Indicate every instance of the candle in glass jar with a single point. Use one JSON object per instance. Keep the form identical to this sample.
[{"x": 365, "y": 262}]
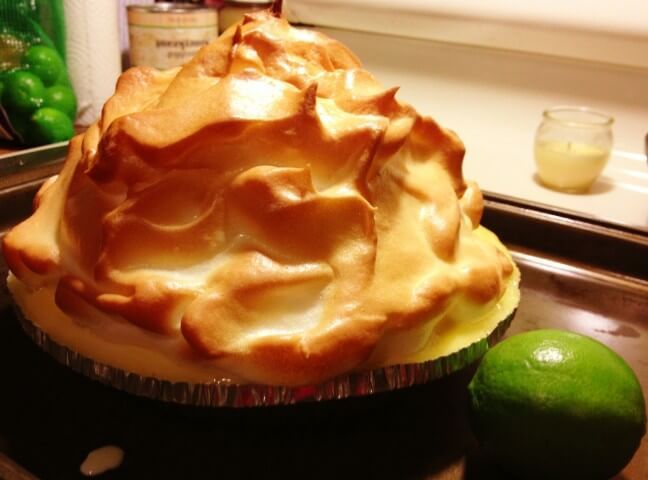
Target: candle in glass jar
[
  {"x": 572, "y": 146},
  {"x": 569, "y": 165}
]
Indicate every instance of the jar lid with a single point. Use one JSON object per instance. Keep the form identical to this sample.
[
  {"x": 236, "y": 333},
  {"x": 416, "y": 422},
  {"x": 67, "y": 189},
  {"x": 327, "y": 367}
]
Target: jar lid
[
  {"x": 248, "y": 3},
  {"x": 170, "y": 7}
]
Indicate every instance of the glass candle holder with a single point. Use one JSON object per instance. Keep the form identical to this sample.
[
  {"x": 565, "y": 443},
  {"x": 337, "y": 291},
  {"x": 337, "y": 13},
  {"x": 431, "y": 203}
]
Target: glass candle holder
[{"x": 572, "y": 147}]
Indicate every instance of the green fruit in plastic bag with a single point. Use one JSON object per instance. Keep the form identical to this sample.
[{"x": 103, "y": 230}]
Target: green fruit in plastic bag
[
  {"x": 51, "y": 125},
  {"x": 44, "y": 62},
  {"x": 61, "y": 98},
  {"x": 23, "y": 92},
  {"x": 63, "y": 79}
]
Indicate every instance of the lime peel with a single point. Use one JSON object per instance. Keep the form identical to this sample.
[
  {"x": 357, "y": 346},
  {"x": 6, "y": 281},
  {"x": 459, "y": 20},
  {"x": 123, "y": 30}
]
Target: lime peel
[{"x": 555, "y": 404}]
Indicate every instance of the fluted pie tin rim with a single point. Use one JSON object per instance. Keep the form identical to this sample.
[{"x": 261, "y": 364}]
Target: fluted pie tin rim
[{"x": 357, "y": 384}]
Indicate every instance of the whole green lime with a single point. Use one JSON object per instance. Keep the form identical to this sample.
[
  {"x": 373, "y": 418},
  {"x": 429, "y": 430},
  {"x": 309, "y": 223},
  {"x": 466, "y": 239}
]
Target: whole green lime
[
  {"x": 61, "y": 98},
  {"x": 51, "y": 125},
  {"x": 554, "y": 404},
  {"x": 23, "y": 91},
  {"x": 44, "y": 62}
]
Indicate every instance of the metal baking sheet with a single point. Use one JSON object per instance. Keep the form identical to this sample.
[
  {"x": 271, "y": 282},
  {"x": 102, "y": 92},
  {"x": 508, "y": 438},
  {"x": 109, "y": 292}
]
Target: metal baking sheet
[
  {"x": 51, "y": 417},
  {"x": 35, "y": 163}
]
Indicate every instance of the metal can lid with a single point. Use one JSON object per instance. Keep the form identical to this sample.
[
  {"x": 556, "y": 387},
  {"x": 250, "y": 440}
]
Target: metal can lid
[
  {"x": 248, "y": 3},
  {"x": 168, "y": 7}
]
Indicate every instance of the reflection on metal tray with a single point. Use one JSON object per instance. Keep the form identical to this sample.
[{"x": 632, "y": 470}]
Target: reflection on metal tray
[
  {"x": 31, "y": 164},
  {"x": 578, "y": 275}
]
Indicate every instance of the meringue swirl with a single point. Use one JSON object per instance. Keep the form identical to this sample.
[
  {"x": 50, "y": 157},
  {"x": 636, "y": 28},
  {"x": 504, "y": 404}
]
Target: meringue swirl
[{"x": 269, "y": 208}]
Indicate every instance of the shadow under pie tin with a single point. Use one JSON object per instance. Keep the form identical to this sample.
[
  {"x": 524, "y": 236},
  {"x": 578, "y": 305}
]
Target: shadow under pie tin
[{"x": 216, "y": 394}]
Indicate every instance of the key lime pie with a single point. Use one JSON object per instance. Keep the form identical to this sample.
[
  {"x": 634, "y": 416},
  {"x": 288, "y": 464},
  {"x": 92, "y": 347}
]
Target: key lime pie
[{"x": 268, "y": 214}]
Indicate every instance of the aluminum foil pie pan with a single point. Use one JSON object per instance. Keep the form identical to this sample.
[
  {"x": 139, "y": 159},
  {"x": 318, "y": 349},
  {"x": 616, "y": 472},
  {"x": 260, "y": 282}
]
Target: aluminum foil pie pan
[{"x": 216, "y": 394}]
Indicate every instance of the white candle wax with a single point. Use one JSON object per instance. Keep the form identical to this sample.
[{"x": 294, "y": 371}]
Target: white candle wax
[{"x": 568, "y": 165}]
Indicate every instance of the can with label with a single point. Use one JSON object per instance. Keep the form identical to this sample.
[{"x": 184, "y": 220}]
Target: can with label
[{"x": 165, "y": 35}]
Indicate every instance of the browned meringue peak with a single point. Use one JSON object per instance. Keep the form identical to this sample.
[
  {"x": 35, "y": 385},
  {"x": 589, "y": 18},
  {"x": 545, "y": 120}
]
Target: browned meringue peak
[{"x": 270, "y": 202}]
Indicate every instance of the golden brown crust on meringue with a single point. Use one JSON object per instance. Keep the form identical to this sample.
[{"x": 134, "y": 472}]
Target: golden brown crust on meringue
[{"x": 270, "y": 204}]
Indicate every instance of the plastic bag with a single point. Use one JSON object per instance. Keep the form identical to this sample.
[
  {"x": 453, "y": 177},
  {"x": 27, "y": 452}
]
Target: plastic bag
[{"x": 37, "y": 103}]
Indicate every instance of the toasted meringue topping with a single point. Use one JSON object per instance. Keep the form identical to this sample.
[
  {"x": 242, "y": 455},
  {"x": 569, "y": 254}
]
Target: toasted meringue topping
[{"x": 269, "y": 207}]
